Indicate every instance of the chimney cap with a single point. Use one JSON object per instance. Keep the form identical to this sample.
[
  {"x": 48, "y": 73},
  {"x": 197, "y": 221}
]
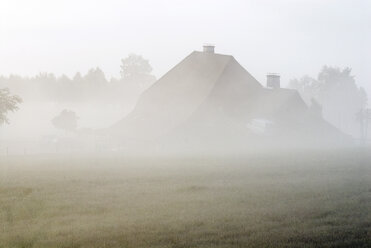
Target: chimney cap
[
  {"x": 208, "y": 48},
  {"x": 273, "y": 74},
  {"x": 273, "y": 80}
]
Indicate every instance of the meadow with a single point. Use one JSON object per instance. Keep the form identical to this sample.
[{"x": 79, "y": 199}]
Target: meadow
[{"x": 298, "y": 199}]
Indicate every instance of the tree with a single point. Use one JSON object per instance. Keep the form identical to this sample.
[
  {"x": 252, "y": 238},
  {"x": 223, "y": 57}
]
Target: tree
[
  {"x": 336, "y": 91},
  {"x": 66, "y": 120},
  {"x": 307, "y": 86},
  {"x": 8, "y": 103},
  {"x": 94, "y": 85},
  {"x": 135, "y": 65},
  {"x": 77, "y": 78},
  {"x": 136, "y": 69},
  {"x": 95, "y": 77}
]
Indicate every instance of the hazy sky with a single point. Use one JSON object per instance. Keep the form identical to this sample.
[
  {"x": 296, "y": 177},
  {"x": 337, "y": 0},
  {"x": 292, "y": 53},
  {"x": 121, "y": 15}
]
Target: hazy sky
[{"x": 292, "y": 37}]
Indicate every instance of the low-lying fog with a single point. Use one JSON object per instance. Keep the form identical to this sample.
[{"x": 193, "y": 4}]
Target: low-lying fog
[
  {"x": 72, "y": 115},
  {"x": 121, "y": 126},
  {"x": 320, "y": 49}
]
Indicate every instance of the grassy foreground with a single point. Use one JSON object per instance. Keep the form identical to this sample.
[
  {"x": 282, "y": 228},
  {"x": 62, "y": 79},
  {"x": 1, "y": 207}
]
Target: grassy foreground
[{"x": 303, "y": 200}]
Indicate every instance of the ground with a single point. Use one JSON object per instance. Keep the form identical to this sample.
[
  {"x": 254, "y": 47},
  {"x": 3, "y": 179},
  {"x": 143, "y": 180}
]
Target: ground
[{"x": 306, "y": 199}]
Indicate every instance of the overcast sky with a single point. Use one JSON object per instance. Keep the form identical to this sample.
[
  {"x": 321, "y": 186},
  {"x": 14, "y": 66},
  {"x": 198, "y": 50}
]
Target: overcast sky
[{"x": 291, "y": 37}]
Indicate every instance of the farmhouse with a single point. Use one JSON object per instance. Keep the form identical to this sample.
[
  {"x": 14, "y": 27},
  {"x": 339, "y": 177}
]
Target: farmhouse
[{"x": 209, "y": 98}]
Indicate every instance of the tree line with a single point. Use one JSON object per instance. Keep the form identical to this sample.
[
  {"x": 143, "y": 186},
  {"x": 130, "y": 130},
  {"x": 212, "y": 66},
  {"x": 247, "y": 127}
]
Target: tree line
[{"x": 94, "y": 85}]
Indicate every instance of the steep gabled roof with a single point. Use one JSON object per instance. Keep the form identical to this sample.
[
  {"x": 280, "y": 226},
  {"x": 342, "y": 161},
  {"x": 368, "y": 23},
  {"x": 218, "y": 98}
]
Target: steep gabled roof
[{"x": 183, "y": 90}]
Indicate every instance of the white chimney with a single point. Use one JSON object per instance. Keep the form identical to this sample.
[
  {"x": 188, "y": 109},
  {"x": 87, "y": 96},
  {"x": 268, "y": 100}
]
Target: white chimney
[
  {"x": 208, "y": 48},
  {"x": 273, "y": 81}
]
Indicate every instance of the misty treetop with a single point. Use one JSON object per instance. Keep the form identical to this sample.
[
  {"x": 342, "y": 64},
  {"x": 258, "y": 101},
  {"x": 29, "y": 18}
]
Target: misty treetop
[
  {"x": 66, "y": 120},
  {"x": 94, "y": 85},
  {"x": 134, "y": 66}
]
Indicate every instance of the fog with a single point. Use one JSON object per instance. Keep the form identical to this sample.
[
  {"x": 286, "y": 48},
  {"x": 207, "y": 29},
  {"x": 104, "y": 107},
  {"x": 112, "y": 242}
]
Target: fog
[
  {"x": 185, "y": 123},
  {"x": 207, "y": 103}
]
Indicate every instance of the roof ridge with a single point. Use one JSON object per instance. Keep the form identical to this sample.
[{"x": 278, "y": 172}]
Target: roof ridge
[{"x": 169, "y": 71}]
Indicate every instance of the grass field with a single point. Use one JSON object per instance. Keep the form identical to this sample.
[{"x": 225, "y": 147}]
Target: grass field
[{"x": 316, "y": 199}]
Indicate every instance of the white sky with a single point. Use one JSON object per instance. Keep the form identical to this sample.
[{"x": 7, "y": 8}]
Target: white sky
[{"x": 292, "y": 37}]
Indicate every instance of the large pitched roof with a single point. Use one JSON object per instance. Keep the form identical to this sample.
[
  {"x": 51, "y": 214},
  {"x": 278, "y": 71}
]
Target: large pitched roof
[{"x": 183, "y": 90}]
